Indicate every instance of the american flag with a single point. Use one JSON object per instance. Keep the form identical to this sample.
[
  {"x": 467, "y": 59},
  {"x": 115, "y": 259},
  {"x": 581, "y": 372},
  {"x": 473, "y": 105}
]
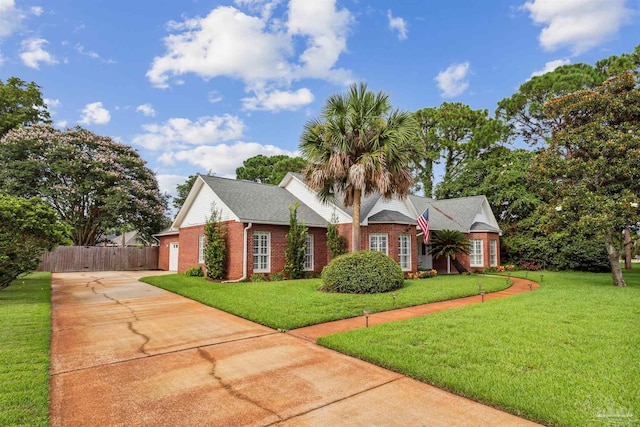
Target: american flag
[{"x": 423, "y": 223}]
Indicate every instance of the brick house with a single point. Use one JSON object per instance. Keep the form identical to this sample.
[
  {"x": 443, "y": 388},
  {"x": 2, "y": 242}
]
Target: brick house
[{"x": 257, "y": 221}]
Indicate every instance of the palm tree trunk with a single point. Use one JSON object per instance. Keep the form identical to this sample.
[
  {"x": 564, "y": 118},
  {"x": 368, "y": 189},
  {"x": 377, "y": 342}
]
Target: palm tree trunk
[
  {"x": 355, "y": 225},
  {"x": 614, "y": 260},
  {"x": 458, "y": 266}
]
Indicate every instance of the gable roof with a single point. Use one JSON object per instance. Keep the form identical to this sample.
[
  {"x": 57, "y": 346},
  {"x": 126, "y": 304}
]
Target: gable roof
[
  {"x": 261, "y": 203},
  {"x": 462, "y": 214}
]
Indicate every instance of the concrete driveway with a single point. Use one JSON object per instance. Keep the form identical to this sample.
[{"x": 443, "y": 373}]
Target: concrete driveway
[{"x": 124, "y": 353}]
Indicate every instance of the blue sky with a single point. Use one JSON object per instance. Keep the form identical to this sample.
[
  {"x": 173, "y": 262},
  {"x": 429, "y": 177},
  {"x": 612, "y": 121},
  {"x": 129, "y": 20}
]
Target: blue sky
[{"x": 200, "y": 86}]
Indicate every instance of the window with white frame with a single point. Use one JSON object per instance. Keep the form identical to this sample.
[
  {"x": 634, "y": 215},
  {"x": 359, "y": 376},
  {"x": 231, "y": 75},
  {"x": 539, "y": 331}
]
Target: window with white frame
[
  {"x": 261, "y": 252},
  {"x": 493, "y": 253},
  {"x": 404, "y": 252},
  {"x": 378, "y": 242},
  {"x": 308, "y": 253},
  {"x": 476, "y": 256},
  {"x": 201, "y": 245}
]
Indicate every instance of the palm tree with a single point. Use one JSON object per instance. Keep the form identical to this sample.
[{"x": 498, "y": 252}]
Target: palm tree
[
  {"x": 357, "y": 147},
  {"x": 450, "y": 243}
]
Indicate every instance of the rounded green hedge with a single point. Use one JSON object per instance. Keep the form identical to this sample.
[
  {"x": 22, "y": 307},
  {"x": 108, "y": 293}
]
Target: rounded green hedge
[{"x": 364, "y": 272}]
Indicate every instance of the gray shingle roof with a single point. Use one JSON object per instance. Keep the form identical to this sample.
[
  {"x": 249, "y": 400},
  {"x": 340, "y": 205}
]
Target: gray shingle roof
[
  {"x": 453, "y": 214},
  {"x": 387, "y": 216},
  {"x": 261, "y": 203}
]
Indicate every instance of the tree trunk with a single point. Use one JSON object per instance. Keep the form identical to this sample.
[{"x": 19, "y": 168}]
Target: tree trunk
[
  {"x": 355, "y": 225},
  {"x": 614, "y": 260},
  {"x": 627, "y": 249},
  {"x": 458, "y": 266}
]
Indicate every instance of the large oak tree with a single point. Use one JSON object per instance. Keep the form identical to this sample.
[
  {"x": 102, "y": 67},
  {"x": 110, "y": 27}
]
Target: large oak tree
[{"x": 593, "y": 162}]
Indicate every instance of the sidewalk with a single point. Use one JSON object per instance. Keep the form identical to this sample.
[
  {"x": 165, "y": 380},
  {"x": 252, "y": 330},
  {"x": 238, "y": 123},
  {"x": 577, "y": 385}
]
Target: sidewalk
[
  {"x": 124, "y": 353},
  {"x": 312, "y": 333}
]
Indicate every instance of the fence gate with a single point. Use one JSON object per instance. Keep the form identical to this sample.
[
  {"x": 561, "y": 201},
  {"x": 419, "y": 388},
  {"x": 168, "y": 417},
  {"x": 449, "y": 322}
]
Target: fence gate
[{"x": 99, "y": 258}]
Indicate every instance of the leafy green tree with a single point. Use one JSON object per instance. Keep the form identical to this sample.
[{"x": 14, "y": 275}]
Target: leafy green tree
[
  {"x": 336, "y": 242},
  {"x": 524, "y": 110},
  {"x": 269, "y": 170},
  {"x": 215, "y": 249},
  {"x": 459, "y": 132},
  {"x": 21, "y": 103},
  {"x": 28, "y": 228},
  {"x": 428, "y": 154},
  {"x": 501, "y": 175},
  {"x": 450, "y": 243},
  {"x": 593, "y": 162},
  {"x": 92, "y": 182},
  {"x": 296, "y": 244},
  {"x": 359, "y": 146}
]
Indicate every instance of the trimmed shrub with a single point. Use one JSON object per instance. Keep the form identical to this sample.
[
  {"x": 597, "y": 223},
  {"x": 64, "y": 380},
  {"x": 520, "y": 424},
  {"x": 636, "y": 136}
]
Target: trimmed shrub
[
  {"x": 258, "y": 277},
  {"x": 194, "y": 272},
  {"x": 364, "y": 272},
  {"x": 277, "y": 277}
]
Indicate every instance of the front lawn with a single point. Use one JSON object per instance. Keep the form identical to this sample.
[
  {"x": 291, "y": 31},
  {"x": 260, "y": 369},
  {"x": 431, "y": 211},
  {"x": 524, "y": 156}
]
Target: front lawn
[
  {"x": 295, "y": 303},
  {"x": 25, "y": 331},
  {"x": 567, "y": 354}
]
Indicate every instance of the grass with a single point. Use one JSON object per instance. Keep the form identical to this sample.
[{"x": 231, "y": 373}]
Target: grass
[
  {"x": 25, "y": 331},
  {"x": 296, "y": 303},
  {"x": 567, "y": 354}
]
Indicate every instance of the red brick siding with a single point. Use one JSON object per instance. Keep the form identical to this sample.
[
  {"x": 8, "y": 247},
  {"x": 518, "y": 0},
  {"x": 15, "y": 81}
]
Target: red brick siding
[
  {"x": 235, "y": 247},
  {"x": 440, "y": 264},
  {"x": 163, "y": 250},
  {"x": 393, "y": 231},
  {"x": 188, "y": 250}
]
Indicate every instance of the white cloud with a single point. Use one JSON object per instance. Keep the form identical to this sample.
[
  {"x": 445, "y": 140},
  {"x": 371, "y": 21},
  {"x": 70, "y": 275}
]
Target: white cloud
[
  {"x": 62, "y": 124},
  {"x": 398, "y": 24},
  {"x": 167, "y": 183},
  {"x": 577, "y": 24},
  {"x": 452, "y": 81},
  {"x": 278, "y": 100},
  {"x": 180, "y": 131},
  {"x": 550, "y": 66},
  {"x": 91, "y": 54},
  {"x": 52, "y": 105},
  {"x": 10, "y": 17},
  {"x": 95, "y": 113},
  {"x": 146, "y": 109},
  {"x": 36, "y": 10},
  {"x": 214, "y": 97},
  {"x": 33, "y": 53},
  {"x": 260, "y": 50},
  {"x": 221, "y": 159}
]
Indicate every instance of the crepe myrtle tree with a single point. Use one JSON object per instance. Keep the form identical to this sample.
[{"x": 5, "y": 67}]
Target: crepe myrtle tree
[
  {"x": 91, "y": 181},
  {"x": 593, "y": 162}
]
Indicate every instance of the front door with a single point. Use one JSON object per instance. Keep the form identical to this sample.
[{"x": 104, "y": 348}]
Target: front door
[
  {"x": 425, "y": 260},
  {"x": 173, "y": 256}
]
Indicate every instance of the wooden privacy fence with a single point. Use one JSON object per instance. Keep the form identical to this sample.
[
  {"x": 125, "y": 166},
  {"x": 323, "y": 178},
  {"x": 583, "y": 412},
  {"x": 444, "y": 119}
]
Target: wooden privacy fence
[{"x": 99, "y": 258}]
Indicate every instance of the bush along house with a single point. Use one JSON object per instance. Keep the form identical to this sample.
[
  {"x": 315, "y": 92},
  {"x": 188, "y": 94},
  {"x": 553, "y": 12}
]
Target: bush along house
[{"x": 256, "y": 217}]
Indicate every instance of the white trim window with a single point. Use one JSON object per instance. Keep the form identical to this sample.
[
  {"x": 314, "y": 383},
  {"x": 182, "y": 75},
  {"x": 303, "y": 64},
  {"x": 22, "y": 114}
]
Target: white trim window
[
  {"x": 493, "y": 253},
  {"x": 201, "y": 245},
  {"x": 404, "y": 252},
  {"x": 379, "y": 243},
  {"x": 308, "y": 253},
  {"x": 262, "y": 252},
  {"x": 476, "y": 255}
]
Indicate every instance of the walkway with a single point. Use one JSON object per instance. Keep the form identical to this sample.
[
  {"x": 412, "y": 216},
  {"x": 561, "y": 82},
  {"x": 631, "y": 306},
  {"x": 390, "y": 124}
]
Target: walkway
[
  {"x": 125, "y": 353},
  {"x": 312, "y": 333}
]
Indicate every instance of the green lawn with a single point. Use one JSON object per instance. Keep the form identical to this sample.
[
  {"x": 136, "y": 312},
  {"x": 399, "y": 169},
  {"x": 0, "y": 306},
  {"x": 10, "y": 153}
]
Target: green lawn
[
  {"x": 567, "y": 354},
  {"x": 295, "y": 303},
  {"x": 25, "y": 331}
]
